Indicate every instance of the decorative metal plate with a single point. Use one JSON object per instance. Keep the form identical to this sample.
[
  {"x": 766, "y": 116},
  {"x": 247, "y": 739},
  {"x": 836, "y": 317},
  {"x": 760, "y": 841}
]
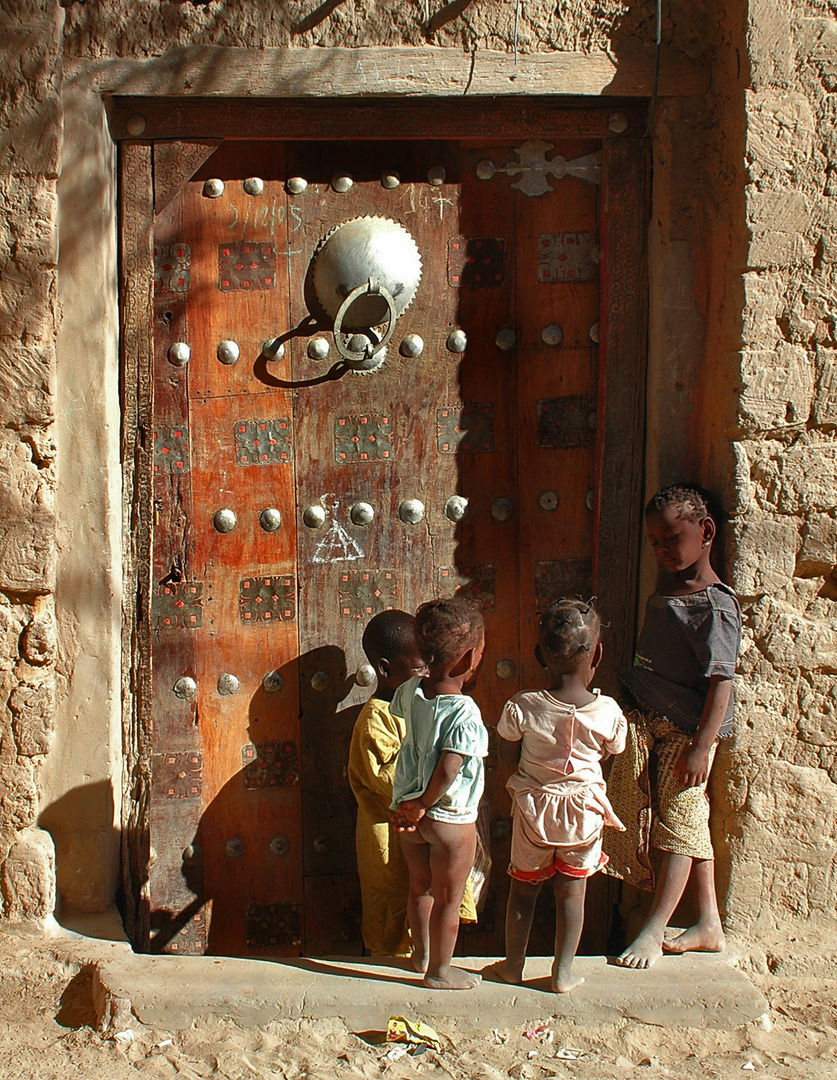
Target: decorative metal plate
[
  {"x": 469, "y": 428},
  {"x": 267, "y": 599},
  {"x": 475, "y": 262},
  {"x": 562, "y": 577},
  {"x": 363, "y": 437},
  {"x": 246, "y": 266},
  {"x": 191, "y": 939},
  {"x": 533, "y": 168},
  {"x": 566, "y": 421},
  {"x": 364, "y": 593},
  {"x": 270, "y": 764},
  {"x": 171, "y": 449},
  {"x": 475, "y": 582},
  {"x": 263, "y": 442},
  {"x": 178, "y": 605},
  {"x": 172, "y": 268},
  {"x": 571, "y": 256},
  {"x": 274, "y": 924},
  {"x": 178, "y": 774}
]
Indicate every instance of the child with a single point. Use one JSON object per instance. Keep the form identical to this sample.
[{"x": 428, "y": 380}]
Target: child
[
  {"x": 438, "y": 783},
  {"x": 389, "y": 642},
  {"x": 559, "y": 800},
  {"x": 679, "y": 701}
]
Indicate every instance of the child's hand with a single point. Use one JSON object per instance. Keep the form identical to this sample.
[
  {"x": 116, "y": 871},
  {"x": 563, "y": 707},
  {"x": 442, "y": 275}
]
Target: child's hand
[
  {"x": 693, "y": 765},
  {"x": 408, "y": 815}
]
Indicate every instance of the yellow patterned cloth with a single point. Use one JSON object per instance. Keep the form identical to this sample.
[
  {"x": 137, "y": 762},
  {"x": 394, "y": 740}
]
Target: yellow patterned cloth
[
  {"x": 384, "y": 879},
  {"x": 647, "y": 792}
]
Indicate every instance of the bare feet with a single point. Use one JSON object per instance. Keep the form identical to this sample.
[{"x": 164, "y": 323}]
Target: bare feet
[
  {"x": 418, "y": 959},
  {"x": 452, "y": 979},
  {"x": 644, "y": 952},
  {"x": 698, "y": 938},
  {"x": 506, "y": 970},
  {"x": 564, "y": 981}
]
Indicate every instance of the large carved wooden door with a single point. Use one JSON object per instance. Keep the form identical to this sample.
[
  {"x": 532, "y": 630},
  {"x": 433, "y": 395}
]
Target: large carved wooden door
[{"x": 295, "y": 497}]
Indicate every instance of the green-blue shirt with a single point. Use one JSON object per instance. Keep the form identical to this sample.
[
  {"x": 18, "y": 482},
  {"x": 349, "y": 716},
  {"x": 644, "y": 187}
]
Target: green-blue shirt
[{"x": 446, "y": 722}]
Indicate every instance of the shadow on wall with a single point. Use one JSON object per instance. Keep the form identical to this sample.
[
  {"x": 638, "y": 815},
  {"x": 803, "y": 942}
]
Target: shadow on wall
[{"x": 86, "y": 852}]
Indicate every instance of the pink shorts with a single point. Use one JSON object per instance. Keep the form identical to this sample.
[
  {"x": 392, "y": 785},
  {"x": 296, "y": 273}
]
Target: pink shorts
[{"x": 536, "y": 818}]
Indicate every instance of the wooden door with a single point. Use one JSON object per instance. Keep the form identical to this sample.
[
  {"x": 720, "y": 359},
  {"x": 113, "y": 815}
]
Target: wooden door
[{"x": 480, "y": 459}]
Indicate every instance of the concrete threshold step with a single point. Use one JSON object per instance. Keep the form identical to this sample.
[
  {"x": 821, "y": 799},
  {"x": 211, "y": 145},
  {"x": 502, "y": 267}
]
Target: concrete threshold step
[{"x": 170, "y": 993}]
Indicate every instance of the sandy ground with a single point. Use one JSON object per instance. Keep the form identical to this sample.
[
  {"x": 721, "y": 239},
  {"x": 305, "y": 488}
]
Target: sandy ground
[{"x": 47, "y": 1032}]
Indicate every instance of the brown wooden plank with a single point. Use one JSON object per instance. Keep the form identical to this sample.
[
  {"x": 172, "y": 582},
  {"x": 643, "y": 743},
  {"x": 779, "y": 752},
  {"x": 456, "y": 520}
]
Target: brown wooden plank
[
  {"x": 177, "y": 613},
  {"x": 350, "y": 120},
  {"x": 404, "y": 72},
  {"x": 136, "y": 341},
  {"x": 402, "y": 559},
  {"x": 622, "y": 394}
]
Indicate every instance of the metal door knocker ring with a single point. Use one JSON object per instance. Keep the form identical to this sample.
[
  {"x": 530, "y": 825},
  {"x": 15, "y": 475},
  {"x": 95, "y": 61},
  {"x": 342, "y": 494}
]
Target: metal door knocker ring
[{"x": 362, "y": 358}]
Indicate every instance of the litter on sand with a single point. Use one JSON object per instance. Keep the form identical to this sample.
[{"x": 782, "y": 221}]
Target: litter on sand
[
  {"x": 124, "y": 1038},
  {"x": 540, "y": 1032},
  {"x": 570, "y": 1053},
  {"x": 402, "y": 1030}
]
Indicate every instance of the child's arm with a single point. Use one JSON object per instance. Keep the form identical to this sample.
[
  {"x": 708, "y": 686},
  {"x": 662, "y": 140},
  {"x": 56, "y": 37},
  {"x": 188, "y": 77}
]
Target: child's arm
[
  {"x": 694, "y": 761},
  {"x": 411, "y": 811}
]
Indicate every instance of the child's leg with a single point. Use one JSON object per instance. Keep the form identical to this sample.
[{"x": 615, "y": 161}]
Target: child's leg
[
  {"x": 520, "y": 910},
  {"x": 419, "y": 899},
  {"x": 681, "y": 832},
  {"x": 569, "y": 921},
  {"x": 647, "y": 947},
  {"x": 707, "y": 935},
  {"x": 452, "y": 849}
]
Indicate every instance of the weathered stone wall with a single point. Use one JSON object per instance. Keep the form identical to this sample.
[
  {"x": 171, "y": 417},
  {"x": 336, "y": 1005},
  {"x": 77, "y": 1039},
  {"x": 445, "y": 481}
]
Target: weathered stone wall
[
  {"x": 742, "y": 390},
  {"x": 30, "y": 146},
  {"x": 783, "y": 767}
]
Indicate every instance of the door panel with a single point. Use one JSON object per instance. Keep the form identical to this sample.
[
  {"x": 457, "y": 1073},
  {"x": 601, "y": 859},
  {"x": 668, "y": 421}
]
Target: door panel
[{"x": 259, "y": 858}]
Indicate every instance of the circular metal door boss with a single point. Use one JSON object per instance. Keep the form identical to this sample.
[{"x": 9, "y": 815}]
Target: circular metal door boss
[{"x": 365, "y": 273}]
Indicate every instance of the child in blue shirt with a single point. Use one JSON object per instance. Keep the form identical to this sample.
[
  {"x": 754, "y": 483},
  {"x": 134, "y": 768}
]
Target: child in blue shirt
[{"x": 438, "y": 783}]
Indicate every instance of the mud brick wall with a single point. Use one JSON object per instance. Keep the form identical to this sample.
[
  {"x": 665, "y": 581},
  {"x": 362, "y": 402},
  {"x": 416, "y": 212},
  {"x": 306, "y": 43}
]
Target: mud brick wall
[
  {"x": 742, "y": 384},
  {"x": 783, "y": 767},
  {"x": 30, "y": 146}
]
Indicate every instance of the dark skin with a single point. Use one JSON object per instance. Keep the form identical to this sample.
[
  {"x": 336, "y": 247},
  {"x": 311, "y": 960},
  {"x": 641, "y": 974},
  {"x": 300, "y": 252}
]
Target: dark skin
[
  {"x": 439, "y": 854},
  {"x": 682, "y": 549},
  {"x": 395, "y": 670},
  {"x": 569, "y": 681}
]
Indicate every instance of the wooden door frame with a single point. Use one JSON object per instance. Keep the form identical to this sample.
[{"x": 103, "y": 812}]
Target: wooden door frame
[{"x": 179, "y": 130}]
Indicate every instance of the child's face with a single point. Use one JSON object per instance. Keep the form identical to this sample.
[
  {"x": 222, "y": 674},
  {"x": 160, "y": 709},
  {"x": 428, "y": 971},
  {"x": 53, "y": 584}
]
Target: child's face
[
  {"x": 677, "y": 542},
  {"x": 404, "y": 666}
]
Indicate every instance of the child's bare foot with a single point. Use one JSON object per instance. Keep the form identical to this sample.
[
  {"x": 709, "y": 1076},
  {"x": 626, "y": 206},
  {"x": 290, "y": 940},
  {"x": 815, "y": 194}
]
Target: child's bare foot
[
  {"x": 643, "y": 952},
  {"x": 418, "y": 959},
  {"x": 506, "y": 970},
  {"x": 452, "y": 979},
  {"x": 702, "y": 937},
  {"x": 564, "y": 981}
]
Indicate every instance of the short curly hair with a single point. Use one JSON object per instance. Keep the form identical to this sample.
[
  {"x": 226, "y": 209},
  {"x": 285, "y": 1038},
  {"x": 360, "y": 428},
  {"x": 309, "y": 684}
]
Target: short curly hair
[
  {"x": 388, "y": 635},
  {"x": 691, "y": 501},
  {"x": 569, "y": 626},
  {"x": 447, "y": 628}
]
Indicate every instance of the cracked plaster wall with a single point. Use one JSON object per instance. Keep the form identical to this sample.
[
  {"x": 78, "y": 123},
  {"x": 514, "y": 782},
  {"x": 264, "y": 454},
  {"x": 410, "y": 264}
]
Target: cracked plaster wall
[{"x": 742, "y": 392}]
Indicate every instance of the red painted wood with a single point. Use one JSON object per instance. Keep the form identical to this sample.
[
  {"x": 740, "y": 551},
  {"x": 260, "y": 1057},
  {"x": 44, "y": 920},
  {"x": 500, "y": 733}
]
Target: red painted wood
[{"x": 265, "y": 900}]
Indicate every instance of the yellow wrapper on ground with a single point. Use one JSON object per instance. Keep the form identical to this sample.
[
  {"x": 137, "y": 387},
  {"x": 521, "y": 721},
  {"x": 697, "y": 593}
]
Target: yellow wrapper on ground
[{"x": 400, "y": 1029}]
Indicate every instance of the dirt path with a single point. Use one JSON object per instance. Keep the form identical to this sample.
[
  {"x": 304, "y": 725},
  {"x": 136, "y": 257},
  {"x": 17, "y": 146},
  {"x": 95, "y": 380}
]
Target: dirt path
[{"x": 47, "y": 1032}]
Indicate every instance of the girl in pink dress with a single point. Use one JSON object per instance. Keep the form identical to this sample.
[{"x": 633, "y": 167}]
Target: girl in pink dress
[{"x": 558, "y": 737}]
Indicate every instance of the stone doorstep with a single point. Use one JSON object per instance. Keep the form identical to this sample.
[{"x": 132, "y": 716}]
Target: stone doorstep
[{"x": 170, "y": 993}]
